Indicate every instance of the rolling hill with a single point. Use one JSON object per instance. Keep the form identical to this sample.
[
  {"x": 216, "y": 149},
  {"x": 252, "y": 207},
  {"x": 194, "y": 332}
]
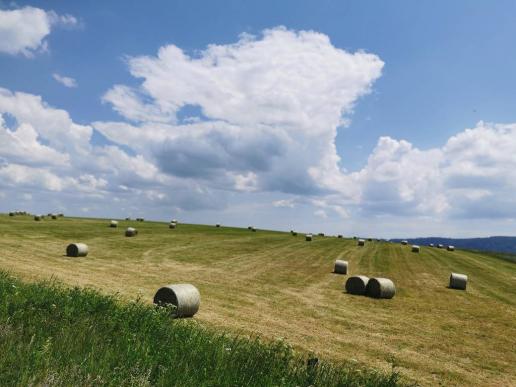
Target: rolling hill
[{"x": 281, "y": 287}]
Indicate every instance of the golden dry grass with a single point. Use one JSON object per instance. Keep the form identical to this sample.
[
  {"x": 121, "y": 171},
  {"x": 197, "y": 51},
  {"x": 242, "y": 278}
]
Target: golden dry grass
[{"x": 278, "y": 285}]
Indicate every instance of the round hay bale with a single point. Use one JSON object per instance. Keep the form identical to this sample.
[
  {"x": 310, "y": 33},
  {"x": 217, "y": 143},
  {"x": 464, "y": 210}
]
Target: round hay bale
[
  {"x": 185, "y": 297},
  {"x": 130, "y": 232},
  {"x": 11, "y": 213},
  {"x": 361, "y": 242},
  {"x": 450, "y": 248},
  {"x": 458, "y": 281},
  {"x": 357, "y": 284},
  {"x": 37, "y": 218},
  {"x": 404, "y": 243},
  {"x": 431, "y": 245},
  {"x": 77, "y": 250},
  {"x": 380, "y": 288},
  {"x": 217, "y": 225},
  {"x": 440, "y": 246},
  {"x": 308, "y": 237},
  {"x": 341, "y": 267},
  {"x": 415, "y": 249},
  {"x": 253, "y": 229},
  {"x": 339, "y": 236},
  {"x": 113, "y": 224},
  {"x": 172, "y": 225},
  {"x": 54, "y": 216}
]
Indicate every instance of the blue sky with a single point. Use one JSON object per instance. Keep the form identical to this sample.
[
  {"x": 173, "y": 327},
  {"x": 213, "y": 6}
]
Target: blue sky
[{"x": 436, "y": 69}]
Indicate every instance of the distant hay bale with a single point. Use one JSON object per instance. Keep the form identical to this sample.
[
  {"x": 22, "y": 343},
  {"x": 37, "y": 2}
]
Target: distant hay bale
[
  {"x": 339, "y": 236},
  {"x": 172, "y": 225},
  {"x": 321, "y": 234},
  {"x": 357, "y": 284},
  {"x": 415, "y": 248},
  {"x": 440, "y": 246},
  {"x": 139, "y": 219},
  {"x": 185, "y": 297},
  {"x": 49, "y": 215},
  {"x": 217, "y": 225},
  {"x": 380, "y": 288},
  {"x": 253, "y": 229},
  {"x": 11, "y": 213},
  {"x": 54, "y": 216},
  {"x": 308, "y": 237},
  {"x": 361, "y": 242},
  {"x": 293, "y": 233},
  {"x": 450, "y": 248},
  {"x": 113, "y": 224},
  {"x": 130, "y": 232},
  {"x": 369, "y": 239},
  {"x": 127, "y": 218},
  {"x": 404, "y": 243},
  {"x": 249, "y": 228},
  {"x": 37, "y": 218},
  {"x": 431, "y": 245},
  {"x": 77, "y": 250},
  {"x": 174, "y": 221},
  {"x": 458, "y": 281},
  {"x": 341, "y": 267},
  {"x": 60, "y": 215}
]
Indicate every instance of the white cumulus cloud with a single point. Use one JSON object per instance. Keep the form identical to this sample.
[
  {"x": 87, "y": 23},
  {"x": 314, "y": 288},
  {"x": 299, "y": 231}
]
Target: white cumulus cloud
[
  {"x": 65, "y": 81},
  {"x": 23, "y": 31}
]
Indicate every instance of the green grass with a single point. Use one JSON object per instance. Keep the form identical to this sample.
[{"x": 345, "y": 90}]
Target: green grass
[
  {"x": 278, "y": 286},
  {"x": 52, "y": 335}
]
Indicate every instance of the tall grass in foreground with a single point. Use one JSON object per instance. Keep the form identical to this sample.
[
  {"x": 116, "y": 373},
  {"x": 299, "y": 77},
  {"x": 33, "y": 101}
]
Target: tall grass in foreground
[{"x": 53, "y": 335}]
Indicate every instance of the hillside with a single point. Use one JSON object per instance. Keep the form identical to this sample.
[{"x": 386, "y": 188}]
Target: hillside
[
  {"x": 500, "y": 244},
  {"x": 279, "y": 286}
]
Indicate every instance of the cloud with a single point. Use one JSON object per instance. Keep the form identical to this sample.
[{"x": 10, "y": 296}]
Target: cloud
[
  {"x": 65, "y": 81},
  {"x": 473, "y": 175},
  {"x": 238, "y": 127},
  {"x": 265, "y": 125},
  {"x": 23, "y": 31}
]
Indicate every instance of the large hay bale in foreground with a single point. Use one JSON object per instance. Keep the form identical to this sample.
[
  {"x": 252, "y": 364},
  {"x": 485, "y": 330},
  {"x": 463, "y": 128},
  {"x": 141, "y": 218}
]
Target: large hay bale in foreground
[
  {"x": 113, "y": 224},
  {"x": 77, "y": 250},
  {"x": 450, "y": 248},
  {"x": 357, "y": 284},
  {"x": 341, "y": 267},
  {"x": 361, "y": 242},
  {"x": 380, "y": 288},
  {"x": 130, "y": 232},
  {"x": 415, "y": 249},
  {"x": 185, "y": 297},
  {"x": 458, "y": 281},
  {"x": 308, "y": 237}
]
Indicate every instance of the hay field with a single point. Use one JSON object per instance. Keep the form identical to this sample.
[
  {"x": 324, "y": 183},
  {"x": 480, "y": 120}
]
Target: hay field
[{"x": 280, "y": 286}]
